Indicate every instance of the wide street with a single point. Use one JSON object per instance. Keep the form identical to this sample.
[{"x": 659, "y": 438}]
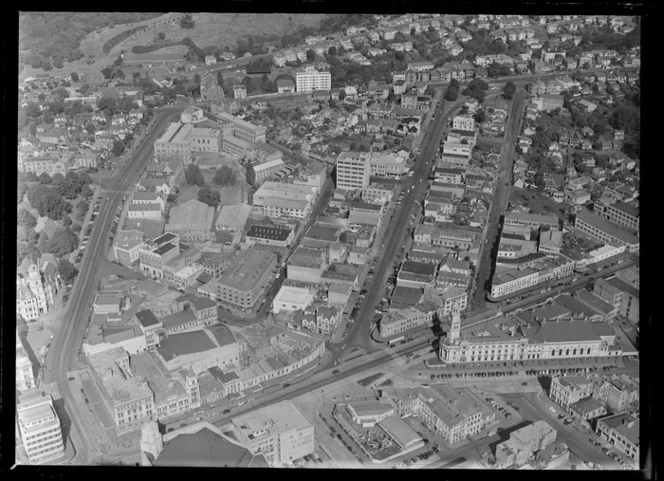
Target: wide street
[
  {"x": 68, "y": 336},
  {"x": 498, "y": 203},
  {"x": 414, "y": 189}
]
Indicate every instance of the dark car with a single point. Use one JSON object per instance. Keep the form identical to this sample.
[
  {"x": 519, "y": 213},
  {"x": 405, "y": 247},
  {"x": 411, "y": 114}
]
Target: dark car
[
  {"x": 336, "y": 371},
  {"x": 286, "y": 385},
  {"x": 226, "y": 411}
]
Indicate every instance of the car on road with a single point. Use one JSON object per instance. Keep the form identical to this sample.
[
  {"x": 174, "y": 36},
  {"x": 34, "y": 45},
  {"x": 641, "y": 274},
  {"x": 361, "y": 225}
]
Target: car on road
[
  {"x": 552, "y": 409},
  {"x": 226, "y": 411},
  {"x": 335, "y": 372}
]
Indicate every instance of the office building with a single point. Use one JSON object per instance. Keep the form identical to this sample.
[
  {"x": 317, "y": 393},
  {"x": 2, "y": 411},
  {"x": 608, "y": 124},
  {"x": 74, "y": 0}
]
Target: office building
[
  {"x": 245, "y": 279},
  {"x": 353, "y": 170},
  {"x": 600, "y": 228},
  {"x": 39, "y": 428},
  {"x": 279, "y": 432}
]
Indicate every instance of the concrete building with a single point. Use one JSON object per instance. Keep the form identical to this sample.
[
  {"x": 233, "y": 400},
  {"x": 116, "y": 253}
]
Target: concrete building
[
  {"x": 200, "y": 349},
  {"x": 37, "y": 284},
  {"x": 533, "y": 337},
  {"x": 524, "y": 443},
  {"x": 128, "y": 399},
  {"x": 600, "y": 228},
  {"x": 174, "y": 142},
  {"x": 192, "y": 221},
  {"x": 291, "y": 299},
  {"x": 396, "y": 322},
  {"x": 621, "y": 213},
  {"x": 622, "y": 431},
  {"x": 279, "y": 432},
  {"x": 280, "y": 236},
  {"x": 532, "y": 220},
  {"x": 550, "y": 102},
  {"x": 231, "y": 125},
  {"x": 275, "y": 199},
  {"x": 567, "y": 390},
  {"x": 369, "y": 413},
  {"x": 464, "y": 122},
  {"x": 157, "y": 252},
  {"x": 126, "y": 246},
  {"x": 386, "y": 164},
  {"x": 39, "y": 428},
  {"x": 245, "y": 279},
  {"x": 452, "y": 413},
  {"x": 309, "y": 79},
  {"x": 353, "y": 170}
]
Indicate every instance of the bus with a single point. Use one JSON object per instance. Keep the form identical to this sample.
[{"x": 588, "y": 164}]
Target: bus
[{"x": 393, "y": 342}]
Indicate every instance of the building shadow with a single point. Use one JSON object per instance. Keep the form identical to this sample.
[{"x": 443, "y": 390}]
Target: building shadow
[{"x": 65, "y": 420}]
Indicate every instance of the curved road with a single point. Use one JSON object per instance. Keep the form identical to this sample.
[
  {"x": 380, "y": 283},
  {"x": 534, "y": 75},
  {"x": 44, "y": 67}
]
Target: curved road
[{"x": 67, "y": 340}]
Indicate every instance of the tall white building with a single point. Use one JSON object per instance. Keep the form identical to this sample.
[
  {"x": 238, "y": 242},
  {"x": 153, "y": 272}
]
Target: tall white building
[
  {"x": 353, "y": 170},
  {"x": 40, "y": 429},
  {"x": 280, "y": 432},
  {"x": 463, "y": 122},
  {"x": 310, "y": 79}
]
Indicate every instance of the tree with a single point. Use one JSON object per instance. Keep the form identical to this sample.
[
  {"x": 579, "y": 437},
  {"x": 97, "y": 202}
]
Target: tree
[
  {"x": 63, "y": 242},
  {"x": 224, "y": 176},
  {"x": 42, "y": 243},
  {"x": 44, "y": 178},
  {"x": 25, "y": 218},
  {"x": 508, "y": 90},
  {"x": 76, "y": 228},
  {"x": 480, "y": 116},
  {"x": 31, "y": 177},
  {"x": 332, "y": 51},
  {"x": 161, "y": 36},
  {"x": 311, "y": 55},
  {"x": 66, "y": 221},
  {"x": 118, "y": 148},
  {"x": 208, "y": 197},
  {"x": 82, "y": 206},
  {"x": 187, "y": 22},
  {"x": 193, "y": 175},
  {"x": 250, "y": 175},
  {"x": 342, "y": 94},
  {"x": 74, "y": 77},
  {"x": 67, "y": 271},
  {"x": 452, "y": 92}
]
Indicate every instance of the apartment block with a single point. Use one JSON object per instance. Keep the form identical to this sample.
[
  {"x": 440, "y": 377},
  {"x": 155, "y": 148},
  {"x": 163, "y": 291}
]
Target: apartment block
[{"x": 353, "y": 170}]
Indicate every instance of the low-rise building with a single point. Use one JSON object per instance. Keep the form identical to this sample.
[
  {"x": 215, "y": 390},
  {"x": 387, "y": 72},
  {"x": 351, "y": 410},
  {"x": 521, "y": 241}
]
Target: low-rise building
[
  {"x": 291, "y": 299},
  {"x": 622, "y": 431}
]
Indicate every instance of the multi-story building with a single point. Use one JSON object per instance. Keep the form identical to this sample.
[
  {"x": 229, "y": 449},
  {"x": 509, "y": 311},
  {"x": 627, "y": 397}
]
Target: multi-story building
[
  {"x": 309, "y": 79},
  {"x": 622, "y": 431},
  {"x": 464, "y": 122},
  {"x": 276, "y": 199},
  {"x": 37, "y": 284},
  {"x": 239, "y": 91},
  {"x": 540, "y": 339},
  {"x": 155, "y": 253},
  {"x": 192, "y": 221},
  {"x": 353, "y": 170},
  {"x": 40, "y": 165},
  {"x": 126, "y": 246},
  {"x": 532, "y": 220},
  {"x": 175, "y": 143},
  {"x": 524, "y": 443},
  {"x": 622, "y": 213},
  {"x": 39, "y": 428},
  {"x": 128, "y": 398},
  {"x": 395, "y": 322},
  {"x": 600, "y": 228},
  {"x": 454, "y": 414},
  {"x": 550, "y": 102},
  {"x": 245, "y": 279},
  {"x": 274, "y": 236},
  {"x": 567, "y": 390},
  {"x": 280, "y": 433},
  {"x": 387, "y": 164},
  {"x": 231, "y": 125}
]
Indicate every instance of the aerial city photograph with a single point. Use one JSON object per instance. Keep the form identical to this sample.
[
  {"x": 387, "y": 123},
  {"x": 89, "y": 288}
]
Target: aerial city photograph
[{"x": 328, "y": 241}]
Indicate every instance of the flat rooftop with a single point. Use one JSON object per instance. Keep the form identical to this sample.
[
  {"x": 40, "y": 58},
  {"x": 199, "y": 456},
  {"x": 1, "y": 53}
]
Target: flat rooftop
[{"x": 247, "y": 269}]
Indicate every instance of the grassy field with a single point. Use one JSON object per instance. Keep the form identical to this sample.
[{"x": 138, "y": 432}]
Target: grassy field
[{"x": 218, "y": 29}]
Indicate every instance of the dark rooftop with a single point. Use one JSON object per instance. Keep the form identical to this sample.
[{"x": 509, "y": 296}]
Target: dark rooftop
[
  {"x": 267, "y": 232},
  {"x": 146, "y": 318}
]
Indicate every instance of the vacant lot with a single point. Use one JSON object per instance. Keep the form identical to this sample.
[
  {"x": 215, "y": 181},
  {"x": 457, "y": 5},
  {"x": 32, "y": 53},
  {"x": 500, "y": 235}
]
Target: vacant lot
[{"x": 538, "y": 203}]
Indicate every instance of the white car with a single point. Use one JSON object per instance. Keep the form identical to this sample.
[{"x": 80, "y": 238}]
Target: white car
[{"x": 552, "y": 409}]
